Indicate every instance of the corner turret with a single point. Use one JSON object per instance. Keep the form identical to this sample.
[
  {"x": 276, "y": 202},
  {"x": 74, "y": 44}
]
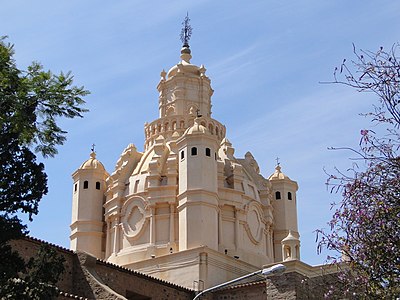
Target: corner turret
[
  {"x": 87, "y": 207},
  {"x": 286, "y": 235},
  {"x": 198, "y": 187}
]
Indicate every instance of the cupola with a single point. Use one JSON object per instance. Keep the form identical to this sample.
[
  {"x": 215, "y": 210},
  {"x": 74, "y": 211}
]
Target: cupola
[{"x": 92, "y": 163}]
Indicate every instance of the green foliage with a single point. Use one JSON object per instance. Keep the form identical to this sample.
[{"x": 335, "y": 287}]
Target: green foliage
[
  {"x": 40, "y": 274},
  {"x": 32, "y": 100},
  {"x": 31, "y": 103},
  {"x": 23, "y": 181}
]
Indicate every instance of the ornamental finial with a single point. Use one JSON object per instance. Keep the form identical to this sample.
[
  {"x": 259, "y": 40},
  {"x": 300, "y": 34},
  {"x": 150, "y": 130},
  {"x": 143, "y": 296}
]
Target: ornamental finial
[{"x": 186, "y": 31}]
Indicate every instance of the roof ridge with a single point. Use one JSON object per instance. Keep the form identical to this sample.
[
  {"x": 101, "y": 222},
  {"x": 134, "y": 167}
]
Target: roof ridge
[
  {"x": 142, "y": 275},
  {"x": 28, "y": 237}
]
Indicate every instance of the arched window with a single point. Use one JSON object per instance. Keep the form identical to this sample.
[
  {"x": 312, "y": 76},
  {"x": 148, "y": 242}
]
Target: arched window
[
  {"x": 277, "y": 195},
  {"x": 85, "y": 184},
  {"x": 194, "y": 151},
  {"x": 208, "y": 152},
  {"x": 170, "y": 111},
  {"x": 289, "y": 196},
  {"x": 97, "y": 185},
  {"x": 288, "y": 252}
]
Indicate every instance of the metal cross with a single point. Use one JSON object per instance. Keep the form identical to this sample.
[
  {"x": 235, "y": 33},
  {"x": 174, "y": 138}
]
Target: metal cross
[
  {"x": 186, "y": 31},
  {"x": 93, "y": 145},
  {"x": 277, "y": 161}
]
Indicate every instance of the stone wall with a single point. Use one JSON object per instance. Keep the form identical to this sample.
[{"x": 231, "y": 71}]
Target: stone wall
[
  {"x": 86, "y": 277},
  {"x": 288, "y": 286}
]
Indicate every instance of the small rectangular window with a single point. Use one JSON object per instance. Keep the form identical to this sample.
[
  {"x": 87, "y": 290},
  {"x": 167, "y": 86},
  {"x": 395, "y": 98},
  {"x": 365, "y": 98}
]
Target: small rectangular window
[
  {"x": 289, "y": 196},
  {"x": 182, "y": 154},
  {"x": 75, "y": 187},
  {"x": 277, "y": 195},
  {"x": 194, "y": 151},
  {"x": 136, "y": 186},
  {"x": 97, "y": 185},
  {"x": 208, "y": 152},
  {"x": 85, "y": 184},
  {"x": 163, "y": 180}
]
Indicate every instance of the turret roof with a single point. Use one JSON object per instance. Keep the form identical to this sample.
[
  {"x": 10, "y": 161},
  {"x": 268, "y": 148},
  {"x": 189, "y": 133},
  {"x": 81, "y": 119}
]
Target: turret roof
[
  {"x": 92, "y": 163},
  {"x": 278, "y": 174},
  {"x": 197, "y": 128},
  {"x": 290, "y": 237}
]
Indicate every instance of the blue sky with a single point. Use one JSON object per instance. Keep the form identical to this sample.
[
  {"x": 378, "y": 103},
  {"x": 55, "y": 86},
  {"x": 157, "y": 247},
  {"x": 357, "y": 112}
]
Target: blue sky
[{"x": 265, "y": 60}]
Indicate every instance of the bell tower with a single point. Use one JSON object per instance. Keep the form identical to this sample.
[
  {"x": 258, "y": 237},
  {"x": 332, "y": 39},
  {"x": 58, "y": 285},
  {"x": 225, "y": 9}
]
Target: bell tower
[
  {"x": 284, "y": 202},
  {"x": 87, "y": 207},
  {"x": 198, "y": 188}
]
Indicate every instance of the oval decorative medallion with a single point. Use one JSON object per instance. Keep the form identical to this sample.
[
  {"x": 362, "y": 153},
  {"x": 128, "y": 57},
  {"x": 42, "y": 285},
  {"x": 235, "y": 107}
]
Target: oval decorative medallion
[
  {"x": 254, "y": 225},
  {"x": 133, "y": 216}
]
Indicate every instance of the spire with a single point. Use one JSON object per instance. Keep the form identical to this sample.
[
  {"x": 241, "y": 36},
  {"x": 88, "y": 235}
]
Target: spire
[
  {"x": 186, "y": 33},
  {"x": 93, "y": 152}
]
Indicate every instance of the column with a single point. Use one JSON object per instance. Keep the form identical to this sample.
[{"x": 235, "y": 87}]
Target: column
[
  {"x": 271, "y": 241},
  {"x": 237, "y": 228},
  {"x": 171, "y": 223},
  {"x": 152, "y": 226},
  {"x": 220, "y": 232},
  {"x": 108, "y": 239},
  {"x": 116, "y": 235}
]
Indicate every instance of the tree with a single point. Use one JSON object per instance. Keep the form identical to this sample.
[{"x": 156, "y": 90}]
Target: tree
[
  {"x": 365, "y": 226},
  {"x": 31, "y": 102}
]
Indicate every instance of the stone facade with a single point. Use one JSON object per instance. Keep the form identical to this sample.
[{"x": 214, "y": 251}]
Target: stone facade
[{"x": 185, "y": 195}]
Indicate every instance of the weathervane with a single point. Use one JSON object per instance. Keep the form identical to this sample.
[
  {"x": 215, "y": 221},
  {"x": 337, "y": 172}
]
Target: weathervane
[{"x": 186, "y": 31}]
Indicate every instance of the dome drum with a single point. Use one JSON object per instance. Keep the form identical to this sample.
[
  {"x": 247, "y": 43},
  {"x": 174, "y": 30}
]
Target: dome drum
[{"x": 168, "y": 126}]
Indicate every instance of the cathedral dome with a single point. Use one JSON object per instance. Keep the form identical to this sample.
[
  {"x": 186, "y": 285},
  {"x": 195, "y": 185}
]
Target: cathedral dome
[
  {"x": 278, "y": 175},
  {"x": 92, "y": 163}
]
